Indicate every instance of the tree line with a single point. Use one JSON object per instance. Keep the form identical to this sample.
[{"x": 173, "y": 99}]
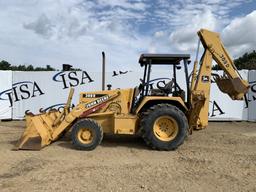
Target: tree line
[
  {"x": 247, "y": 61},
  {"x": 5, "y": 65}
]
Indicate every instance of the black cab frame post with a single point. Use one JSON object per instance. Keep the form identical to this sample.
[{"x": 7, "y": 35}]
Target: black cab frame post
[
  {"x": 187, "y": 79},
  {"x": 148, "y": 76},
  {"x": 144, "y": 81},
  {"x": 174, "y": 78}
]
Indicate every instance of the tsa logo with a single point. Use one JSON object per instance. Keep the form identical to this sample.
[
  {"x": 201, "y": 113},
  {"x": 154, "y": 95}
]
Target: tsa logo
[
  {"x": 72, "y": 79},
  {"x": 21, "y": 91}
]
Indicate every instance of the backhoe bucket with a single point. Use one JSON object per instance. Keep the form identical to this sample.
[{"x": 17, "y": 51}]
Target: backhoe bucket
[
  {"x": 38, "y": 132},
  {"x": 235, "y": 88}
]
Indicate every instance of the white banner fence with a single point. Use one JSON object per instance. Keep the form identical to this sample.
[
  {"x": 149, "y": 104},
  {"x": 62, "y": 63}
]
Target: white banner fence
[{"x": 31, "y": 91}]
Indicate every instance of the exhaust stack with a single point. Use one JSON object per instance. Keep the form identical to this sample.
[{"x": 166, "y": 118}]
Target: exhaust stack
[{"x": 103, "y": 70}]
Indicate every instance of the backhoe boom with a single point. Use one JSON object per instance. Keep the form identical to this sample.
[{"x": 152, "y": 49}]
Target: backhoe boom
[{"x": 230, "y": 83}]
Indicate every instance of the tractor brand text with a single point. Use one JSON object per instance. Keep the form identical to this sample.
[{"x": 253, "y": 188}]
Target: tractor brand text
[{"x": 96, "y": 102}]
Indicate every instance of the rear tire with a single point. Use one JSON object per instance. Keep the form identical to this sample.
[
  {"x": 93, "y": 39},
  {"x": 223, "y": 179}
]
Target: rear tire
[
  {"x": 164, "y": 127},
  {"x": 86, "y": 134}
]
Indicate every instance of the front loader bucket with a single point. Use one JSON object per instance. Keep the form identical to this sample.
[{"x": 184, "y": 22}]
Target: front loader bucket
[
  {"x": 235, "y": 88},
  {"x": 38, "y": 132},
  {"x": 40, "y": 128}
]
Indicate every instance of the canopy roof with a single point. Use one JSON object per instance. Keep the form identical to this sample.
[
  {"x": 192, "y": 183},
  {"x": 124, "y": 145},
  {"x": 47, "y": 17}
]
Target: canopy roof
[{"x": 161, "y": 59}]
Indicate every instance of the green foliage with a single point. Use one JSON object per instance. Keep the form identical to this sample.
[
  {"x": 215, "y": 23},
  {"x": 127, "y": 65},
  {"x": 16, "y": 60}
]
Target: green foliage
[
  {"x": 247, "y": 61},
  {"x": 4, "y": 65}
]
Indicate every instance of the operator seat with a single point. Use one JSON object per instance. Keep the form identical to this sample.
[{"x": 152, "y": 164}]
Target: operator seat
[
  {"x": 164, "y": 91},
  {"x": 168, "y": 87}
]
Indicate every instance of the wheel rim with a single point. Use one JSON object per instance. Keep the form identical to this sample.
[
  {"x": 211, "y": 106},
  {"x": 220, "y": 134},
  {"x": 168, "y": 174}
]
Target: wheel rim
[
  {"x": 165, "y": 128},
  {"x": 85, "y": 135}
]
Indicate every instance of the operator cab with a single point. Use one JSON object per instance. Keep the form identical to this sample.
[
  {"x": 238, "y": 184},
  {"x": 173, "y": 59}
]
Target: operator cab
[{"x": 170, "y": 63}]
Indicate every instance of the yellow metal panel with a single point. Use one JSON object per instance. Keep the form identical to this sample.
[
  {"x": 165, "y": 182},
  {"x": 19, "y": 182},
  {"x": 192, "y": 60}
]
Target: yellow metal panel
[
  {"x": 125, "y": 124},
  {"x": 106, "y": 120}
]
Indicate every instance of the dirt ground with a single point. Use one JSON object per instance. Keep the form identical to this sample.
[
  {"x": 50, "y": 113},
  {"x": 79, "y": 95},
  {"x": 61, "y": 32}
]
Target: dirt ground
[{"x": 220, "y": 158}]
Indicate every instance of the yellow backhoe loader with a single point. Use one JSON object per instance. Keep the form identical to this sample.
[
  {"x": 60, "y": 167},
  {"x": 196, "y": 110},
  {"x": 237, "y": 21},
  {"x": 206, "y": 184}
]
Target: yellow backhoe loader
[{"x": 163, "y": 116}]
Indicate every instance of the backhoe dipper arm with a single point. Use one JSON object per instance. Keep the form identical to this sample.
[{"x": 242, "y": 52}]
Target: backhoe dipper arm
[{"x": 230, "y": 83}]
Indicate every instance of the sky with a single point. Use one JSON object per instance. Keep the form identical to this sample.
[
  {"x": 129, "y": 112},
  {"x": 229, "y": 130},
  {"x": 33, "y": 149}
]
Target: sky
[{"x": 54, "y": 32}]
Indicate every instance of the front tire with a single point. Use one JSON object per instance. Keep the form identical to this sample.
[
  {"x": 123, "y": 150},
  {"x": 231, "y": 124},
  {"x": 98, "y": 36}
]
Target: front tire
[
  {"x": 164, "y": 127},
  {"x": 86, "y": 134}
]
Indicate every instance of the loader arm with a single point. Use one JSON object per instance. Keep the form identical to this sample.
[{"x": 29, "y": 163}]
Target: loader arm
[
  {"x": 81, "y": 110},
  {"x": 230, "y": 83}
]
